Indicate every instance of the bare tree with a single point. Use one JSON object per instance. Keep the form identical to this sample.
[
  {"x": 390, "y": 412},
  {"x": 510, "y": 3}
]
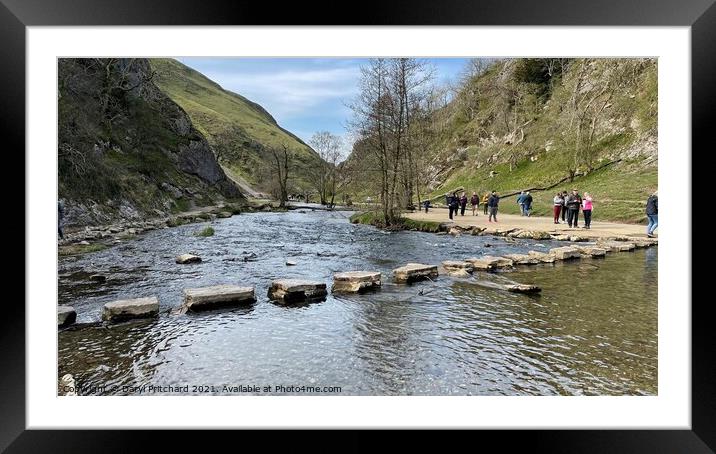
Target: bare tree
[
  {"x": 328, "y": 147},
  {"x": 280, "y": 169}
]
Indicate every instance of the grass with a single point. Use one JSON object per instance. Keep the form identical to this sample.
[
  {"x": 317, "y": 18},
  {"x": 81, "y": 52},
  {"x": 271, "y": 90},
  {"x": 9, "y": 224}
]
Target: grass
[
  {"x": 375, "y": 218},
  {"x": 207, "y": 231},
  {"x": 78, "y": 249}
]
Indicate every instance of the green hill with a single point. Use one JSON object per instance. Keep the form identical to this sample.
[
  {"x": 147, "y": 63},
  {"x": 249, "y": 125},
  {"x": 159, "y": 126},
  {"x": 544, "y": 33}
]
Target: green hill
[{"x": 239, "y": 130}]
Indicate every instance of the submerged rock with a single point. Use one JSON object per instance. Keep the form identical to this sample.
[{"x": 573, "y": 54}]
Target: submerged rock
[
  {"x": 66, "y": 315},
  {"x": 98, "y": 278},
  {"x": 566, "y": 253},
  {"x": 522, "y": 288},
  {"x": 217, "y": 296},
  {"x": 413, "y": 272},
  {"x": 130, "y": 309},
  {"x": 296, "y": 290},
  {"x": 356, "y": 281},
  {"x": 188, "y": 258}
]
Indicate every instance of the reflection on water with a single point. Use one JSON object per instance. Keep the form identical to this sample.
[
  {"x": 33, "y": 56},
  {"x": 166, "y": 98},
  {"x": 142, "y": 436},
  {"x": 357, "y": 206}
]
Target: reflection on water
[{"x": 593, "y": 330}]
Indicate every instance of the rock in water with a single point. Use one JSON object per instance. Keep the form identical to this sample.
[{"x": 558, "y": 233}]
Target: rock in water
[
  {"x": 217, "y": 296},
  {"x": 356, "y": 281},
  {"x": 542, "y": 256},
  {"x": 98, "y": 278},
  {"x": 413, "y": 272},
  {"x": 67, "y": 386},
  {"x": 616, "y": 246},
  {"x": 522, "y": 259},
  {"x": 130, "y": 309},
  {"x": 565, "y": 253},
  {"x": 457, "y": 268},
  {"x": 66, "y": 315},
  {"x": 488, "y": 262},
  {"x": 522, "y": 288},
  {"x": 296, "y": 290},
  {"x": 290, "y": 263},
  {"x": 188, "y": 258},
  {"x": 593, "y": 251}
]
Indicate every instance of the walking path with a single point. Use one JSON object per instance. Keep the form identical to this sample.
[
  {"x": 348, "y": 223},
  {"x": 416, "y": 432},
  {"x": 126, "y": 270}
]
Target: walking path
[{"x": 599, "y": 229}]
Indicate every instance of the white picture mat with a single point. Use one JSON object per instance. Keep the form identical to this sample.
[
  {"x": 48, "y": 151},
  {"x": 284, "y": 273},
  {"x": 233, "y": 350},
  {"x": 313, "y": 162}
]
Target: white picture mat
[{"x": 670, "y": 409}]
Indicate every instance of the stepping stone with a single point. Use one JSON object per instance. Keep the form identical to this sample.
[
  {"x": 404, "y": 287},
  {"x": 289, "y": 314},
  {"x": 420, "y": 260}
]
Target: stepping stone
[
  {"x": 356, "y": 281},
  {"x": 522, "y": 259},
  {"x": 577, "y": 238},
  {"x": 188, "y": 258},
  {"x": 217, "y": 296},
  {"x": 66, "y": 315},
  {"x": 543, "y": 257},
  {"x": 488, "y": 262},
  {"x": 130, "y": 309},
  {"x": 522, "y": 288},
  {"x": 616, "y": 246},
  {"x": 457, "y": 268},
  {"x": 413, "y": 272},
  {"x": 566, "y": 253},
  {"x": 296, "y": 290},
  {"x": 593, "y": 251},
  {"x": 533, "y": 234}
]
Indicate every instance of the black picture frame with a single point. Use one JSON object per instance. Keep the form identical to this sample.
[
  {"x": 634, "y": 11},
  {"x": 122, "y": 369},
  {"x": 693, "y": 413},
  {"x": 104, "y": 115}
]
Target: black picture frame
[{"x": 700, "y": 15}]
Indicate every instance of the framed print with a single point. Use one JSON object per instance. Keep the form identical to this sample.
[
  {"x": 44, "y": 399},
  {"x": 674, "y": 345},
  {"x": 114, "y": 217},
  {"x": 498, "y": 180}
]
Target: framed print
[{"x": 440, "y": 218}]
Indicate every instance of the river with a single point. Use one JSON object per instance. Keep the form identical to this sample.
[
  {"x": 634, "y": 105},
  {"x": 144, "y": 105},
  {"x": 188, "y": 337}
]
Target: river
[{"x": 592, "y": 331}]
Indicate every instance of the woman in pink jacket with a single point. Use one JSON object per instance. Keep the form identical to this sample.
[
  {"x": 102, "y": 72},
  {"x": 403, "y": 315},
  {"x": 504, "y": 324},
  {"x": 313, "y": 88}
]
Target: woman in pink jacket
[{"x": 587, "y": 210}]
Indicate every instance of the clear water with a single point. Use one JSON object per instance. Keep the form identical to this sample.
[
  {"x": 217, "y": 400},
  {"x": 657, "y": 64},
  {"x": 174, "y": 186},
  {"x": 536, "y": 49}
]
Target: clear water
[{"x": 593, "y": 330}]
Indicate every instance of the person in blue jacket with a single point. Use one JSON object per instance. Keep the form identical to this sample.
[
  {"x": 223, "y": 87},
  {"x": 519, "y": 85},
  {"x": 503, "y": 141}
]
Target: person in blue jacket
[{"x": 652, "y": 213}]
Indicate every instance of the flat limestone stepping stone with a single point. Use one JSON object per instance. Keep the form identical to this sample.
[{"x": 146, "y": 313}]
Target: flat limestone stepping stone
[
  {"x": 543, "y": 257},
  {"x": 188, "y": 258},
  {"x": 593, "y": 251},
  {"x": 457, "y": 268},
  {"x": 616, "y": 246},
  {"x": 130, "y": 309},
  {"x": 522, "y": 288},
  {"x": 488, "y": 262},
  {"x": 296, "y": 290},
  {"x": 66, "y": 315},
  {"x": 413, "y": 272},
  {"x": 522, "y": 259},
  {"x": 216, "y": 296},
  {"x": 356, "y": 281},
  {"x": 566, "y": 252}
]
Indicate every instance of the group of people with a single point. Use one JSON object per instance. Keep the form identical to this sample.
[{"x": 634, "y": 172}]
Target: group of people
[
  {"x": 568, "y": 205},
  {"x": 455, "y": 204}
]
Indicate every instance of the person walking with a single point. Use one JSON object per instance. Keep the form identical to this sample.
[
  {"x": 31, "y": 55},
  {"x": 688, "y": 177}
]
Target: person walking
[
  {"x": 521, "y": 202},
  {"x": 528, "y": 204},
  {"x": 652, "y": 213},
  {"x": 493, "y": 202},
  {"x": 60, "y": 217},
  {"x": 463, "y": 203},
  {"x": 574, "y": 201},
  {"x": 475, "y": 202},
  {"x": 485, "y": 198},
  {"x": 449, "y": 203},
  {"x": 426, "y": 204},
  {"x": 587, "y": 210},
  {"x": 558, "y": 202},
  {"x": 564, "y": 205}
]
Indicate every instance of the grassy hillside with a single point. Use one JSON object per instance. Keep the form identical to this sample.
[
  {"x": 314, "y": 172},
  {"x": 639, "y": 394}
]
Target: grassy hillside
[
  {"x": 238, "y": 129},
  {"x": 127, "y": 151}
]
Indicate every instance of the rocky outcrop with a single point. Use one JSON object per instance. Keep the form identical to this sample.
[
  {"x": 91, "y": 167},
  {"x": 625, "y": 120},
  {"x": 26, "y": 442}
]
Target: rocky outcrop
[
  {"x": 413, "y": 272},
  {"x": 296, "y": 290},
  {"x": 356, "y": 281},
  {"x": 123, "y": 310},
  {"x": 217, "y": 296}
]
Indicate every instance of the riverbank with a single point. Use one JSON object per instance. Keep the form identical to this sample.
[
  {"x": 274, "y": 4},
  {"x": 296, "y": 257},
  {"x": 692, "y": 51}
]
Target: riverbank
[{"x": 599, "y": 229}]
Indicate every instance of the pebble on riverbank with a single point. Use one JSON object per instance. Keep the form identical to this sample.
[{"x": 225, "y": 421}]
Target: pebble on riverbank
[
  {"x": 122, "y": 310},
  {"x": 296, "y": 290},
  {"x": 217, "y": 296},
  {"x": 356, "y": 281},
  {"x": 66, "y": 315},
  {"x": 413, "y": 272}
]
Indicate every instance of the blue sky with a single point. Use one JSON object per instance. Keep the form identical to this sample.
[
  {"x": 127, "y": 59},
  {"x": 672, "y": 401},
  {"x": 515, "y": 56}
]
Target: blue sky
[{"x": 304, "y": 95}]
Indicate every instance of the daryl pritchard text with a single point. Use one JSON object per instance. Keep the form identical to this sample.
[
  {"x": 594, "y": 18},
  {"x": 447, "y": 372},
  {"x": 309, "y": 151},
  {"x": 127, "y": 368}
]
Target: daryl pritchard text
[{"x": 186, "y": 389}]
